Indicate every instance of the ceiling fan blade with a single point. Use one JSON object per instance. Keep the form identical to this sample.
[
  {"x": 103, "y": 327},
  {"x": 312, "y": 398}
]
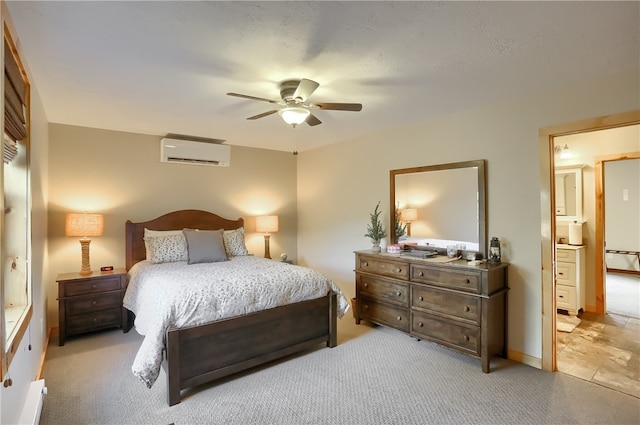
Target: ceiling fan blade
[
  {"x": 244, "y": 96},
  {"x": 339, "y": 106},
  {"x": 313, "y": 120},
  {"x": 305, "y": 89},
  {"x": 264, "y": 114}
]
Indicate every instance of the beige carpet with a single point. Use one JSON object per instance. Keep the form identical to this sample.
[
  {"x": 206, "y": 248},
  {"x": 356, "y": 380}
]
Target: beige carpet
[{"x": 565, "y": 323}]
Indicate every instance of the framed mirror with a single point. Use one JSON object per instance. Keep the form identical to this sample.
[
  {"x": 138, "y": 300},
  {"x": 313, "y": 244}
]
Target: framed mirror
[
  {"x": 568, "y": 186},
  {"x": 440, "y": 205}
]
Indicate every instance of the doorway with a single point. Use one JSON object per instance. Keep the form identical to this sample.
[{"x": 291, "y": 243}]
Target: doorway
[{"x": 548, "y": 223}]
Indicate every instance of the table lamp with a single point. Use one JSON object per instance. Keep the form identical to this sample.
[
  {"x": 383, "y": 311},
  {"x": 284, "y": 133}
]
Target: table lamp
[
  {"x": 84, "y": 225},
  {"x": 267, "y": 224},
  {"x": 408, "y": 215}
]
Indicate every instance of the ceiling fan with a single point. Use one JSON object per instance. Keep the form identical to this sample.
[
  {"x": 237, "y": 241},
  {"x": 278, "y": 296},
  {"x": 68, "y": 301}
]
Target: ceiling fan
[{"x": 294, "y": 95}]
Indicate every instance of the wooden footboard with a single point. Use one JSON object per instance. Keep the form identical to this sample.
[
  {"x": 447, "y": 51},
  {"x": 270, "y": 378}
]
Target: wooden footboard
[{"x": 200, "y": 354}]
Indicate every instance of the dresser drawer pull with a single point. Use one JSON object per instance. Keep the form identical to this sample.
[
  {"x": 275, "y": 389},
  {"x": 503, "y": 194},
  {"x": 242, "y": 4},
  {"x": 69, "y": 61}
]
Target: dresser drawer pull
[
  {"x": 366, "y": 285},
  {"x": 420, "y": 274},
  {"x": 398, "y": 293},
  {"x": 466, "y": 308},
  {"x": 364, "y": 263},
  {"x": 420, "y": 298},
  {"x": 399, "y": 318},
  {"x": 93, "y": 302},
  {"x": 94, "y": 286},
  {"x": 398, "y": 270},
  {"x": 465, "y": 337},
  {"x": 420, "y": 325},
  {"x": 560, "y": 296},
  {"x": 467, "y": 281},
  {"x": 95, "y": 320},
  {"x": 366, "y": 307},
  {"x": 561, "y": 274}
]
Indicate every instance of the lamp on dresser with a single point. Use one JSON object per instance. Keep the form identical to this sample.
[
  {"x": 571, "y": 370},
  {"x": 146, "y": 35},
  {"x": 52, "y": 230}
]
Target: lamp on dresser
[
  {"x": 267, "y": 224},
  {"x": 84, "y": 225}
]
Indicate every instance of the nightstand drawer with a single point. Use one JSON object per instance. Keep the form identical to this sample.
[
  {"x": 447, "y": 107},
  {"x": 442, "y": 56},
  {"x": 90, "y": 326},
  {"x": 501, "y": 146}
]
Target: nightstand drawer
[
  {"x": 457, "y": 335},
  {"x": 565, "y": 297},
  {"x": 93, "y": 321},
  {"x": 93, "y": 303},
  {"x": 390, "y": 268},
  {"x": 382, "y": 289},
  {"x": 469, "y": 282},
  {"x": 91, "y": 286},
  {"x": 566, "y": 255},
  {"x": 466, "y": 307}
]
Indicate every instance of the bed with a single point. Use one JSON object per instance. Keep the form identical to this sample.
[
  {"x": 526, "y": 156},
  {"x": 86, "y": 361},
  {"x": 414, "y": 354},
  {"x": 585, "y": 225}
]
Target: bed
[{"x": 195, "y": 354}]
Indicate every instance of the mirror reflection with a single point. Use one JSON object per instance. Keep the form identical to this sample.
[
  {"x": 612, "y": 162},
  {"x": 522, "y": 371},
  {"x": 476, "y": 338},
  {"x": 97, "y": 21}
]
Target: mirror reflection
[
  {"x": 568, "y": 188},
  {"x": 440, "y": 206}
]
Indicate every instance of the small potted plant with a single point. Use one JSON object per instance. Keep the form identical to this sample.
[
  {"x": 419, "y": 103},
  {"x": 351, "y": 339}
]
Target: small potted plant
[{"x": 375, "y": 231}]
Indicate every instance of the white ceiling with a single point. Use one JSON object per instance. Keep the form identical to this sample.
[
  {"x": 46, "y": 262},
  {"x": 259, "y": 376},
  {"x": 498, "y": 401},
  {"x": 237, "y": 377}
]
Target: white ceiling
[{"x": 165, "y": 66}]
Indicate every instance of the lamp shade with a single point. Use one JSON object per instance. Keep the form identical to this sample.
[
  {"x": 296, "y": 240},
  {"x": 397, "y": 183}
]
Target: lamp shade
[
  {"x": 84, "y": 224},
  {"x": 409, "y": 214},
  {"x": 267, "y": 223},
  {"x": 294, "y": 115}
]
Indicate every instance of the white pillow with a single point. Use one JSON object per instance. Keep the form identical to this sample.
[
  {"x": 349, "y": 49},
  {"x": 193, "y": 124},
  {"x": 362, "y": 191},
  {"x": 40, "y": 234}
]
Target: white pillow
[
  {"x": 166, "y": 249},
  {"x": 149, "y": 232},
  {"x": 234, "y": 242}
]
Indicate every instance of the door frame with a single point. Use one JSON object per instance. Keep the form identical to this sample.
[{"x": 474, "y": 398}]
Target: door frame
[{"x": 546, "y": 138}]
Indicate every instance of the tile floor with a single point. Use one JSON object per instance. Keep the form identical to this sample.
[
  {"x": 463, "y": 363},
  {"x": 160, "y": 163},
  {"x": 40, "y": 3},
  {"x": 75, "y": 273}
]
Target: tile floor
[{"x": 604, "y": 350}]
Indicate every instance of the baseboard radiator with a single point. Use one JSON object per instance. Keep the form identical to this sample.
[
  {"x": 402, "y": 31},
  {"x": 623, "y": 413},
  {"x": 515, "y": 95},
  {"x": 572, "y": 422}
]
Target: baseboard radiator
[{"x": 33, "y": 405}]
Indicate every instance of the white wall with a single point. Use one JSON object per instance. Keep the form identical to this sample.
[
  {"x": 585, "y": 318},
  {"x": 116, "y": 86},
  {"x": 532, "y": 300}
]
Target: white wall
[{"x": 339, "y": 185}]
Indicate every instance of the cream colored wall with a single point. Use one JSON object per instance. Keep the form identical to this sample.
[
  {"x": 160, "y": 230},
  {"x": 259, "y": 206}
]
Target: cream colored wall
[
  {"x": 585, "y": 148},
  {"x": 339, "y": 185},
  {"x": 120, "y": 175},
  {"x": 30, "y": 350}
]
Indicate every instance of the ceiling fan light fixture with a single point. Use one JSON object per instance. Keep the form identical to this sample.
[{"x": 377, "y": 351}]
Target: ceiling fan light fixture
[{"x": 294, "y": 115}]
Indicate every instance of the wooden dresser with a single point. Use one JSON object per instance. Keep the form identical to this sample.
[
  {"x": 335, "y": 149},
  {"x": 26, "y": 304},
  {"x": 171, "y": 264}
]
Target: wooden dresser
[{"x": 460, "y": 306}]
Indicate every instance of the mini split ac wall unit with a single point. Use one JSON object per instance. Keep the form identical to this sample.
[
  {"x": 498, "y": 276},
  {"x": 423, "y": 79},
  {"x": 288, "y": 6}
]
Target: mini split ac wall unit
[{"x": 191, "y": 152}]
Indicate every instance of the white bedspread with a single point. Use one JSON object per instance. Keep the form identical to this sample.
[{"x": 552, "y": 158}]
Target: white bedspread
[{"x": 180, "y": 295}]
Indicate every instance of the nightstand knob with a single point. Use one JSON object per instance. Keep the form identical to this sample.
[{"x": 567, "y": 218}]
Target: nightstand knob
[
  {"x": 93, "y": 286},
  {"x": 93, "y": 302},
  {"x": 466, "y": 308},
  {"x": 95, "y": 320},
  {"x": 366, "y": 307},
  {"x": 366, "y": 285},
  {"x": 399, "y": 318}
]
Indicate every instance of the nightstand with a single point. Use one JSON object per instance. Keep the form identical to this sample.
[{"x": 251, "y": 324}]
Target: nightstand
[{"x": 89, "y": 303}]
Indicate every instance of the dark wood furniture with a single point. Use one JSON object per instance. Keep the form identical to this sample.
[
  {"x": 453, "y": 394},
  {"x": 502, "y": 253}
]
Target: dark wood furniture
[
  {"x": 199, "y": 354},
  {"x": 89, "y": 303},
  {"x": 460, "y": 306}
]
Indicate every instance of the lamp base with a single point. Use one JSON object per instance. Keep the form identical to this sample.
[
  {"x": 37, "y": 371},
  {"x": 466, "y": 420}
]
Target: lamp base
[
  {"x": 86, "y": 267},
  {"x": 267, "y": 254}
]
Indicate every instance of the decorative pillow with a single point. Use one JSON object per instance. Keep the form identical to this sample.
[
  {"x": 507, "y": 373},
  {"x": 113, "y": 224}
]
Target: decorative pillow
[
  {"x": 204, "y": 246},
  {"x": 234, "y": 242},
  {"x": 149, "y": 232},
  {"x": 166, "y": 249}
]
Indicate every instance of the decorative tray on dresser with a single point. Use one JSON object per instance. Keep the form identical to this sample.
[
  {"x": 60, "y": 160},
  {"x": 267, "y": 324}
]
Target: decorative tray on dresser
[{"x": 451, "y": 303}]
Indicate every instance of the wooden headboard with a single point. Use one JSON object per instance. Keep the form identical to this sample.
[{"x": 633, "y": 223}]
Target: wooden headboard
[{"x": 177, "y": 220}]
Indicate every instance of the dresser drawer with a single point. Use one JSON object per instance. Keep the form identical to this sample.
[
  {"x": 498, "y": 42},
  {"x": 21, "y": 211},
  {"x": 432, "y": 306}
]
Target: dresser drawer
[
  {"x": 566, "y": 274},
  {"x": 384, "y": 314},
  {"x": 91, "y": 286},
  {"x": 466, "y": 307},
  {"x": 565, "y": 297},
  {"x": 396, "y": 269},
  {"x": 91, "y": 303},
  {"x": 469, "y": 282},
  {"x": 566, "y": 255},
  {"x": 89, "y": 322},
  {"x": 391, "y": 291},
  {"x": 456, "y": 335}
]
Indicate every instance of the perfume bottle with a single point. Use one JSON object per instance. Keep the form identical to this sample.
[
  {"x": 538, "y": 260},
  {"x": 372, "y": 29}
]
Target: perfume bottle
[{"x": 495, "y": 257}]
